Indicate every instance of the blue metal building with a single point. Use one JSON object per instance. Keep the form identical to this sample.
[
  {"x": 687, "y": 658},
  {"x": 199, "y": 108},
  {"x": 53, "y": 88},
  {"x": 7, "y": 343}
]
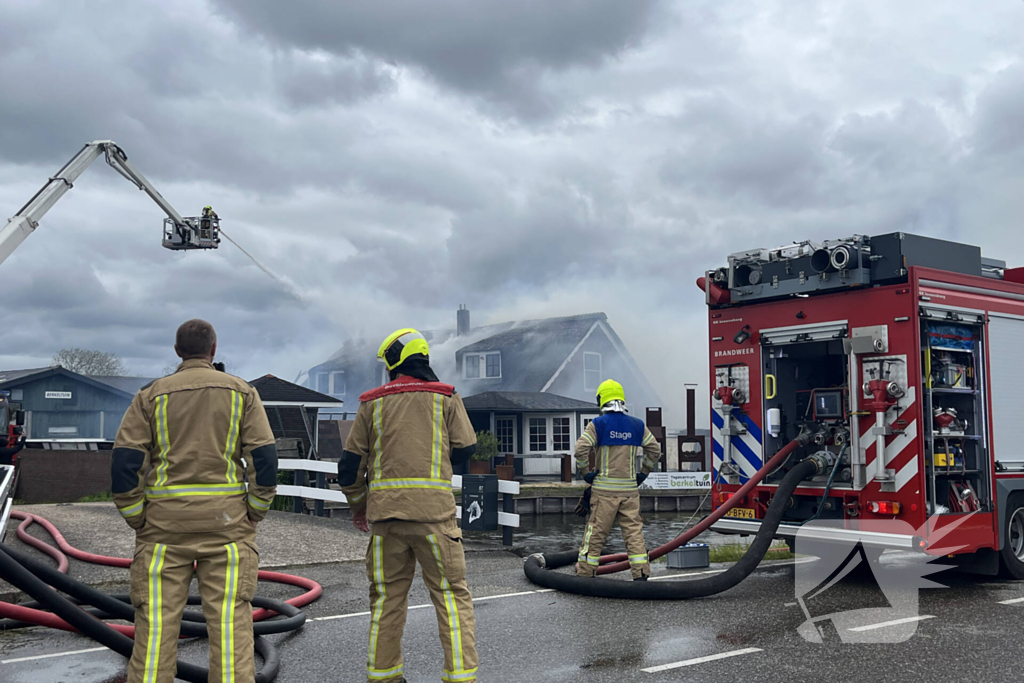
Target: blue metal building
[{"x": 60, "y": 404}]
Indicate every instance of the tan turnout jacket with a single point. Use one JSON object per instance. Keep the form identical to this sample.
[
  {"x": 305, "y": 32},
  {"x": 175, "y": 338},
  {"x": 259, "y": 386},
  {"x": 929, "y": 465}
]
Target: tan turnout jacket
[
  {"x": 194, "y": 453},
  {"x": 403, "y": 437}
]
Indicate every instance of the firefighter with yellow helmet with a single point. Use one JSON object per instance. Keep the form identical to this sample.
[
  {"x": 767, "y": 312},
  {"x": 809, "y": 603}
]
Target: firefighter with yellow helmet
[
  {"x": 614, "y": 438},
  {"x": 179, "y": 479},
  {"x": 396, "y": 472}
]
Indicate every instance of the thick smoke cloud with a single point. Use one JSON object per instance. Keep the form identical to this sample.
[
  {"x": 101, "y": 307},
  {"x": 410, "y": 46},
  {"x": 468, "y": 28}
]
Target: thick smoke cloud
[{"x": 529, "y": 159}]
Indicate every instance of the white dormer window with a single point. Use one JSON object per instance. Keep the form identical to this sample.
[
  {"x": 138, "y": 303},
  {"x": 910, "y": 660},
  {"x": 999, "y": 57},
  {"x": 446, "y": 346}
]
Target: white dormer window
[
  {"x": 477, "y": 365},
  {"x": 331, "y": 383},
  {"x": 591, "y": 371},
  {"x": 338, "y": 383}
]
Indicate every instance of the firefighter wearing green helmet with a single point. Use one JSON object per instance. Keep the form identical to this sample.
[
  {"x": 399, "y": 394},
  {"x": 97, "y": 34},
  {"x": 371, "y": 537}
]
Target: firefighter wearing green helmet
[
  {"x": 396, "y": 472},
  {"x": 614, "y": 438}
]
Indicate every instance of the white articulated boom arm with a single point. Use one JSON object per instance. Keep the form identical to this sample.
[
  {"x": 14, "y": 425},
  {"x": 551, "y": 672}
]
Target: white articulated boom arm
[{"x": 179, "y": 233}]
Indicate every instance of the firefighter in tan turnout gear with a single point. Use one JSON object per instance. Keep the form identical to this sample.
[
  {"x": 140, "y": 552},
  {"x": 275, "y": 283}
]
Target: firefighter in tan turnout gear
[
  {"x": 396, "y": 471},
  {"x": 180, "y": 481},
  {"x": 615, "y": 438}
]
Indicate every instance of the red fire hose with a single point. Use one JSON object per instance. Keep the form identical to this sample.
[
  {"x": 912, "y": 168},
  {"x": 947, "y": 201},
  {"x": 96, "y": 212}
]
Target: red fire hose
[{"x": 41, "y": 618}]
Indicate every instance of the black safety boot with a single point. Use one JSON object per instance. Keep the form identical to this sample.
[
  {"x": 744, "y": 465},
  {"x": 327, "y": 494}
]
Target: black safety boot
[{"x": 640, "y": 578}]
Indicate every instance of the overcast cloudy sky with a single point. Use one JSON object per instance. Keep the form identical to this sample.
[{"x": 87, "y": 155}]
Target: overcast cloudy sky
[{"x": 394, "y": 159}]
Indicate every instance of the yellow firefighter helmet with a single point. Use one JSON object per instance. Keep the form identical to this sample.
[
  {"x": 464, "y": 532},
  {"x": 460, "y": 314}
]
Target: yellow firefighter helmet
[{"x": 394, "y": 352}]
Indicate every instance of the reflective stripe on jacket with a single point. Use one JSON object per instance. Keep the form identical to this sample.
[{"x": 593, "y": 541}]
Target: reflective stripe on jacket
[
  {"x": 403, "y": 436},
  {"x": 194, "y": 453},
  {"x": 617, "y": 438}
]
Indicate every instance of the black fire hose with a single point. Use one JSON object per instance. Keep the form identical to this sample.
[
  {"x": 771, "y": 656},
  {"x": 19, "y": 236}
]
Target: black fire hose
[
  {"x": 537, "y": 566},
  {"x": 19, "y": 576},
  {"x": 193, "y": 624}
]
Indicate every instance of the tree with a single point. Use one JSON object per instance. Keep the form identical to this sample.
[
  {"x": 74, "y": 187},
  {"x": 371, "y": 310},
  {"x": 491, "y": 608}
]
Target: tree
[{"x": 90, "y": 362}]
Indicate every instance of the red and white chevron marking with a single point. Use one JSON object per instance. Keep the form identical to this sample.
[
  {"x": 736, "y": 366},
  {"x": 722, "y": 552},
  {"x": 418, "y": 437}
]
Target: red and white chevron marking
[{"x": 901, "y": 450}]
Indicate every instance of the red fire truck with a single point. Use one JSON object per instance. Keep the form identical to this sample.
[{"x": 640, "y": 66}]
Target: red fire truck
[{"x": 904, "y": 356}]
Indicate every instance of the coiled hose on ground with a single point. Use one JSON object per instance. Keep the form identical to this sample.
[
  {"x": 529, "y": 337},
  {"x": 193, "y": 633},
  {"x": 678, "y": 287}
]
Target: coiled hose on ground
[
  {"x": 537, "y": 567},
  {"x": 39, "y": 581}
]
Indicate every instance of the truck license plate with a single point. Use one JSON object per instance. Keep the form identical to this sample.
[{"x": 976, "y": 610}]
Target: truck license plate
[{"x": 743, "y": 513}]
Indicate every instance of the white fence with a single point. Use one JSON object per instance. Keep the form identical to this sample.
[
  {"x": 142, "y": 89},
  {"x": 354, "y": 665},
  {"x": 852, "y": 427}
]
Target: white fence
[{"x": 322, "y": 493}]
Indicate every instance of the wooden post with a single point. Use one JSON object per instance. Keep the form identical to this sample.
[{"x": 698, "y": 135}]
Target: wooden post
[
  {"x": 321, "y": 483},
  {"x": 300, "y": 480}
]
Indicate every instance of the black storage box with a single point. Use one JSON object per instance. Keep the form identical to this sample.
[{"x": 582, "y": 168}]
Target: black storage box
[{"x": 893, "y": 254}]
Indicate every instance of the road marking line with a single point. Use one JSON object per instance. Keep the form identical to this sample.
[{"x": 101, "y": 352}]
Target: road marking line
[
  {"x": 56, "y": 654},
  {"x": 701, "y": 660},
  {"x": 666, "y": 577},
  {"x": 894, "y": 622},
  {"x": 552, "y": 590},
  {"x": 507, "y": 595},
  {"x": 412, "y": 607},
  {"x": 1011, "y": 602}
]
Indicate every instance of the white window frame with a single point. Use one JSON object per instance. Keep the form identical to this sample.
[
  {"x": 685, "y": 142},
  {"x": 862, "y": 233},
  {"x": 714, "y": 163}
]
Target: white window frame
[
  {"x": 333, "y": 383},
  {"x": 600, "y": 370},
  {"x": 515, "y": 437},
  {"x": 549, "y": 434},
  {"x": 480, "y": 358},
  {"x": 316, "y": 382},
  {"x": 584, "y": 418}
]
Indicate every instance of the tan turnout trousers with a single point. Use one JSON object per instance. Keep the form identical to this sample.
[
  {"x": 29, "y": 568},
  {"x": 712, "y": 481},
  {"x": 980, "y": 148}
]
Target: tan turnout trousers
[
  {"x": 605, "y": 510},
  {"x": 161, "y": 572},
  {"x": 395, "y": 548}
]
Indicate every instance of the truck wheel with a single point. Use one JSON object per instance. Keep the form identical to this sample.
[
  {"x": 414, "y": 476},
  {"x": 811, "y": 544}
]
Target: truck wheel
[{"x": 1012, "y": 553}]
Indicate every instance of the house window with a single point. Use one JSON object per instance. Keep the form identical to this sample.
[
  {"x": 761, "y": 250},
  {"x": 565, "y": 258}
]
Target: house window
[
  {"x": 338, "y": 383},
  {"x": 588, "y": 420},
  {"x": 323, "y": 382},
  {"x": 538, "y": 434},
  {"x": 477, "y": 365},
  {"x": 591, "y": 371},
  {"x": 560, "y": 434},
  {"x": 493, "y": 364},
  {"x": 505, "y": 431}
]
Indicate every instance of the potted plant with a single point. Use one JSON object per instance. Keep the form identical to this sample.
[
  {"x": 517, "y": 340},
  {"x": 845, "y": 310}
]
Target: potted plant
[{"x": 486, "y": 448}]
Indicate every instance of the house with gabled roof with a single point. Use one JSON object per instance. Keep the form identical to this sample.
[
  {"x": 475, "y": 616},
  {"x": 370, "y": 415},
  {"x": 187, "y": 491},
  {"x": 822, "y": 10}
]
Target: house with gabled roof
[{"x": 563, "y": 357}]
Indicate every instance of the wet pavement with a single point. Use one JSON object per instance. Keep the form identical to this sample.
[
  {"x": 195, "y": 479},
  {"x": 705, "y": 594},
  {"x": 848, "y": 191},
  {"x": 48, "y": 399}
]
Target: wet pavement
[
  {"x": 540, "y": 533},
  {"x": 749, "y": 632}
]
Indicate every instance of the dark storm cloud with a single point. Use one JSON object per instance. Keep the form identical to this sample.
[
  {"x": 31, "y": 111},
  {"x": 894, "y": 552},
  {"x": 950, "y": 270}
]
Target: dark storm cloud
[
  {"x": 393, "y": 160},
  {"x": 495, "y": 48}
]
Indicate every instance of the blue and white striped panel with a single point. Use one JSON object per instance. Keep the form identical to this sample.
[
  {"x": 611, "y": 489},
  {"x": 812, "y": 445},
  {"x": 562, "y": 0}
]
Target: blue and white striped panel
[{"x": 746, "y": 449}]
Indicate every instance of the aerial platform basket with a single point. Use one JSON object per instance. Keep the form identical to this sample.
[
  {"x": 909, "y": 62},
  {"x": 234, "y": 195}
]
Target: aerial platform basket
[{"x": 199, "y": 232}]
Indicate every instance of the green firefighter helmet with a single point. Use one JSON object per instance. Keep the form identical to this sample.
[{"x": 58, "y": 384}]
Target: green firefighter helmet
[
  {"x": 394, "y": 352},
  {"x": 610, "y": 390}
]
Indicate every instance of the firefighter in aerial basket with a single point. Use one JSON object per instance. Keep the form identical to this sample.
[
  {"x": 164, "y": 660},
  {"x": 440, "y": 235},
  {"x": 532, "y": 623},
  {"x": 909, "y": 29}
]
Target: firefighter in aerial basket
[
  {"x": 396, "y": 472},
  {"x": 179, "y": 481},
  {"x": 613, "y": 494}
]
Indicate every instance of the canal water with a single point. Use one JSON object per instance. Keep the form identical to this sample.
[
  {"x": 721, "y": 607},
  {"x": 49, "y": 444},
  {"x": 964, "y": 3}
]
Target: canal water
[{"x": 550, "y": 533}]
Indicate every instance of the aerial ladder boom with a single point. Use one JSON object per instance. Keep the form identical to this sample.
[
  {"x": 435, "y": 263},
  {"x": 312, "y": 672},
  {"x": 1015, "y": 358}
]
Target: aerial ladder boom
[{"x": 202, "y": 232}]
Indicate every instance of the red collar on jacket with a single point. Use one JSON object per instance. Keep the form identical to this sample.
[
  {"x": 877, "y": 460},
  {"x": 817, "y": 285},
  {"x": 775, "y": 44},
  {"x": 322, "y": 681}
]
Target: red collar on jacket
[{"x": 406, "y": 384}]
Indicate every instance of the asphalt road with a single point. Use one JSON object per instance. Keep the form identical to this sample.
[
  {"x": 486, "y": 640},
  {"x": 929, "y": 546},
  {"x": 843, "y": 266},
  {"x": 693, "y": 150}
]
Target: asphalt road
[{"x": 964, "y": 632}]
